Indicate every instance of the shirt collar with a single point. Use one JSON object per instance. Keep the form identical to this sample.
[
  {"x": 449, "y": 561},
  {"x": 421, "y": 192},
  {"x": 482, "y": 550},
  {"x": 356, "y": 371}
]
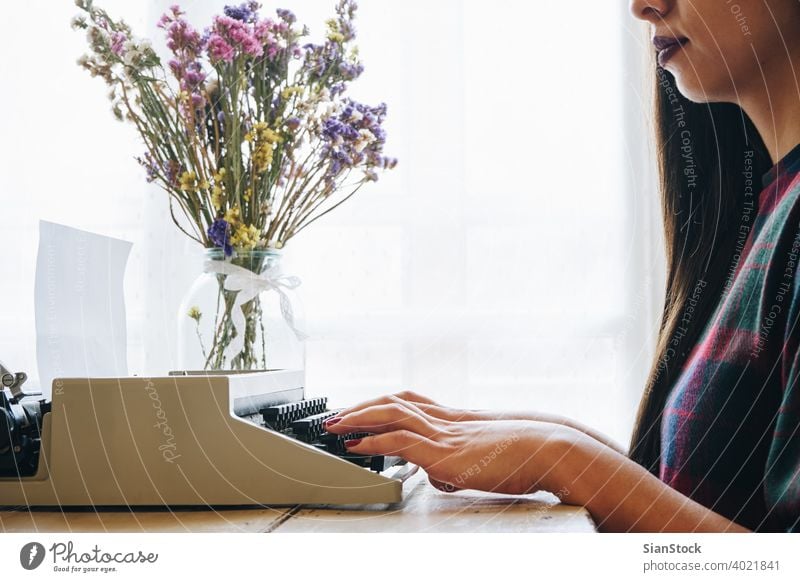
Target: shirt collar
[{"x": 786, "y": 165}]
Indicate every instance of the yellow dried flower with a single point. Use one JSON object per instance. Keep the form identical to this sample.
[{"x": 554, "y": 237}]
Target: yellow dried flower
[
  {"x": 262, "y": 158},
  {"x": 264, "y": 140},
  {"x": 216, "y": 197},
  {"x": 245, "y": 237},
  {"x": 290, "y": 91},
  {"x": 195, "y": 313},
  {"x": 188, "y": 181},
  {"x": 334, "y": 33},
  {"x": 232, "y": 215}
]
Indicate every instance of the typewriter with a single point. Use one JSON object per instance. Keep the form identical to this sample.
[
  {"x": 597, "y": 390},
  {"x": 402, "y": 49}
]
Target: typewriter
[{"x": 187, "y": 439}]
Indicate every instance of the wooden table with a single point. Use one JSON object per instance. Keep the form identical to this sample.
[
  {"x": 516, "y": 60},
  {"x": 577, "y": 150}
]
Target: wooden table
[{"x": 424, "y": 509}]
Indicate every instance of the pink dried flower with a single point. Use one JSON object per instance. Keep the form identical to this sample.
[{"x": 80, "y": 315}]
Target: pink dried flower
[
  {"x": 219, "y": 49},
  {"x": 118, "y": 40}
]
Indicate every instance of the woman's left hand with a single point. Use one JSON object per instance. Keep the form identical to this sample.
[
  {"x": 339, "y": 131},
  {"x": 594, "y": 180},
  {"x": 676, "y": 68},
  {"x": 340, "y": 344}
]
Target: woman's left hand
[{"x": 507, "y": 456}]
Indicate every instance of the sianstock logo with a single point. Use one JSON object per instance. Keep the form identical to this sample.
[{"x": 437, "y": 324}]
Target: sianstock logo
[{"x": 32, "y": 555}]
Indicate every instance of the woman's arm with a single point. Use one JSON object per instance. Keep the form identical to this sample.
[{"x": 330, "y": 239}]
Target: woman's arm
[
  {"x": 523, "y": 456},
  {"x": 623, "y": 496}
]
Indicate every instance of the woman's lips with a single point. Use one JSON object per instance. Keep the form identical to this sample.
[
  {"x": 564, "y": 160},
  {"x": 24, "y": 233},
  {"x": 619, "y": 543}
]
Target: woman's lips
[{"x": 667, "y": 46}]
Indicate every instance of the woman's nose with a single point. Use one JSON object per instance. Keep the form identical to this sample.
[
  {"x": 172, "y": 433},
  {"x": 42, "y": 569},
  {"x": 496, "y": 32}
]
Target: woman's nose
[{"x": 652, "y": 11}]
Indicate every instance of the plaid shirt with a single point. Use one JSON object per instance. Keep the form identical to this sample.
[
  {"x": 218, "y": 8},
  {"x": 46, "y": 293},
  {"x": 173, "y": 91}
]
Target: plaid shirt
[{"x": 731, "y": 430}]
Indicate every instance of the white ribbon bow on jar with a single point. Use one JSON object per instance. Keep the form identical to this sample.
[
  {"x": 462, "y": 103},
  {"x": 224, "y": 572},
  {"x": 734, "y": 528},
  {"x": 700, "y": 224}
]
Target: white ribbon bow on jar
[{"x": 249, "y": 285}]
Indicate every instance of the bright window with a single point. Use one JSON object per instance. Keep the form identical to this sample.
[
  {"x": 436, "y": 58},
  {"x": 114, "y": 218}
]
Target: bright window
[{"x": 509, "y": 261}]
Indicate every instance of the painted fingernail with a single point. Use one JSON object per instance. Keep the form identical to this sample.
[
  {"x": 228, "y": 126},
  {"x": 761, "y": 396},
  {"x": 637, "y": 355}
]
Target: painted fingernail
[
  {"x": 332, "y": 421},
  {"x": 351, "y": 443}
]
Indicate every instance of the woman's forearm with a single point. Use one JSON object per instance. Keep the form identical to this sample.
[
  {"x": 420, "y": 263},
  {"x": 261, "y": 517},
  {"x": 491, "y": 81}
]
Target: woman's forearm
[{"x": 624, "y": 497}]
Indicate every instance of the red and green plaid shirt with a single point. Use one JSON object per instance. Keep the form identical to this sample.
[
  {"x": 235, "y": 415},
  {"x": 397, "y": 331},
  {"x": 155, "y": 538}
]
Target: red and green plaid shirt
[{"x": 731, "y": 430}]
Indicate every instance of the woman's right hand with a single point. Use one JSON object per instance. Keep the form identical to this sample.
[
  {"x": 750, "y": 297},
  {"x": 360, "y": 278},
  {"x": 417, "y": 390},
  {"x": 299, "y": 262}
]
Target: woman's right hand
[
  {"x": 423, "y": 404},
  {"x": 419, "y": 403}
]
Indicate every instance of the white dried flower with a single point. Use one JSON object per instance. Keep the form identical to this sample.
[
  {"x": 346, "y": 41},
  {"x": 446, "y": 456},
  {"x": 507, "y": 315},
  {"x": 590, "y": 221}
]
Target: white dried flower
[
  {"x": 366, "y": 137},
  {"x": 130, "y": 58}
]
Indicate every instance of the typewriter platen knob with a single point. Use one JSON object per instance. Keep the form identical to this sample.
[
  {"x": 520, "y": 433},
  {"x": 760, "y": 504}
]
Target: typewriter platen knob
[{"x": 13, "y": 382}]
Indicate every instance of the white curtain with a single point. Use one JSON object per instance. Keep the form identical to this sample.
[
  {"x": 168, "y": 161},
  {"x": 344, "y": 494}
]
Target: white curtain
[{"x": 512, "y": 259}]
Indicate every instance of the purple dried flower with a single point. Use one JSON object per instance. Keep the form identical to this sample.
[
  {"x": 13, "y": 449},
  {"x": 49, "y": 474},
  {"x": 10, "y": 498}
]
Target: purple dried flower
[
  {"x": 186, "y": 45},
  {"x": 286, "y": 15},
  {"x": 351, "y": 71},
  {"x": 355, "y": 138},
  {"x": 149, "y": 164},
  {"x": 338, "y": 89},
  {"x": 220, "y": 234},
  {"x": 247, "y": 12}
]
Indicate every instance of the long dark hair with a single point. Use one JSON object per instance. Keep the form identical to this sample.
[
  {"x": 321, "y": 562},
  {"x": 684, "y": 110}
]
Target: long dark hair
[{"x": 710, "y": 160}]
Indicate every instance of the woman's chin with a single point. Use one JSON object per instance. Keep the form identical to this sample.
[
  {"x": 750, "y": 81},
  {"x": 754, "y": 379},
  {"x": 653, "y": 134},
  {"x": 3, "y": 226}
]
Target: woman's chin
[{"x": 694, "y": 91}]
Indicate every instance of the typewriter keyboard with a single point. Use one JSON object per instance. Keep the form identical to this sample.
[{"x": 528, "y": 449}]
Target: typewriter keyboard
[{"x": 304, "y": 420}]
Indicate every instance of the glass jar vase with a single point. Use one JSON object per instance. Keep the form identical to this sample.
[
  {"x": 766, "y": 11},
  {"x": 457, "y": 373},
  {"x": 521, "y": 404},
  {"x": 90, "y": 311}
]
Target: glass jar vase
[{"x": 243, "y": 314}]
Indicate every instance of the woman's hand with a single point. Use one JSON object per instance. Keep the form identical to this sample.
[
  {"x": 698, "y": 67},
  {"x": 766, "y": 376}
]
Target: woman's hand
[
  {"x": 421, "y": 404},
  {"x": 425, "y": 405},
  {"x": 508, "y": 456},
  {"x": 521, "y": 456}
]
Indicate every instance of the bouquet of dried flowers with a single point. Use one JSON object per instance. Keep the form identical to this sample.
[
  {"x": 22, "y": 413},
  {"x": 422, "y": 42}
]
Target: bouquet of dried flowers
[{"x": 247, "y": 128}]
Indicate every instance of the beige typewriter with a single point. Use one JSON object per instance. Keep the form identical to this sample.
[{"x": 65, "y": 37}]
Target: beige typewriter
[{"x": 184, "y": 439}]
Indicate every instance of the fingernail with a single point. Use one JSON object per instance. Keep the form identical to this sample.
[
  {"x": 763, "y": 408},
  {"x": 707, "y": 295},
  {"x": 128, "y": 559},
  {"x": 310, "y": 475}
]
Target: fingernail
[
  {"x": 351, "y": 443},
  {"x": 332, "y": 421}
]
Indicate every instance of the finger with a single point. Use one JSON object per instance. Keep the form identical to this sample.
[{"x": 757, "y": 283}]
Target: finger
[
  {"x": 383, "y": 418},
  {"x": 404, "y": 396},
  {"x": 382, "y": 399},
  {"x": 411, "y": 396},
  {"x": 409, "y": 445},
  {"x": 442, "y": 413},
  {"x": 443, "y": 486}
]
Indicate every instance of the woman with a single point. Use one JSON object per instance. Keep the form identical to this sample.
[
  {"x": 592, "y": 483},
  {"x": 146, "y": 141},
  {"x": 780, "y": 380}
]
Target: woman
[{"x": 716, "y": 447}]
